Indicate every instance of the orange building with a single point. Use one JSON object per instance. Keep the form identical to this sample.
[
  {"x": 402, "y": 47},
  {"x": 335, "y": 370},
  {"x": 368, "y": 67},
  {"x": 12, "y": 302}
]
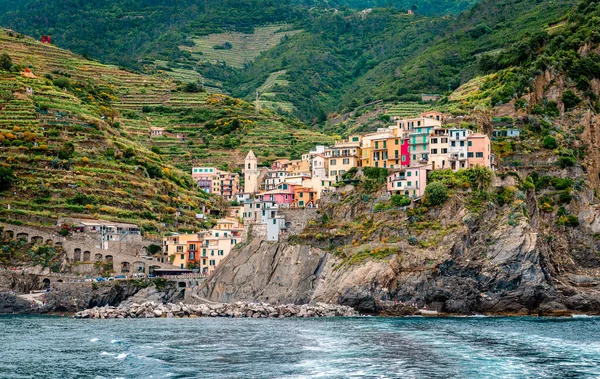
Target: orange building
[{"x": 304, "y": 197}]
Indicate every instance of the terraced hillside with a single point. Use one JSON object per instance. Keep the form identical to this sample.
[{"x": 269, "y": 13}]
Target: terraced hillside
[{"x": 76, "y": 135}]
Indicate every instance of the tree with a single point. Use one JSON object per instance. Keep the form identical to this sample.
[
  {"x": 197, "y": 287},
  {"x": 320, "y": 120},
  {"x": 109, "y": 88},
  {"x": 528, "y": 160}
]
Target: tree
[
  {"x": 62, "y": 83},
  {"x": 436, "y": 193},
  {"x": 6, "y": 62},
  {"x": 7, "y": 177},
  {"x": 66, "y": 151}
]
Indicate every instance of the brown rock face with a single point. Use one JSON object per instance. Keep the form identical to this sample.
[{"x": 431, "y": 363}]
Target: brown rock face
[{"x": 485, "y": 265}]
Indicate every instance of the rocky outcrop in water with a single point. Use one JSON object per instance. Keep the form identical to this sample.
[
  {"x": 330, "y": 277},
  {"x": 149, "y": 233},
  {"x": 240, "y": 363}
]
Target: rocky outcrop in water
[
  {"x": 236, "y": 310},
  {"x": 69, "y": 297},
  {"x": 510, "y": 260}
]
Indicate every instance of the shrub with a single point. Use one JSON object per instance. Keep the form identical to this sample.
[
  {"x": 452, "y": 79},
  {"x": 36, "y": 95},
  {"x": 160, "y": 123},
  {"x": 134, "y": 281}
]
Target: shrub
[
  {"x": 82, "y": 199},
  {"x": 561, "y": 184},
  {"x": 436, "y": 193},
  {"x": 549, "y": 143},
  {"x": 7, "y": 177},
  {"x": 570, "y": 100},
  {"x": 565, "y": 197},
  {"x": 564, "y": 162},
  {"x": 376, "y": 173},
  {"x": 400, "y": 201},
  {"x": 155, "y": 150},
  {"x": 568, "y": 220}
]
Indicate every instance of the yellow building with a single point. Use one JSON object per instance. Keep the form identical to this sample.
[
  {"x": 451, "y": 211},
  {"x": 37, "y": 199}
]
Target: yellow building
[
  {"x": 374, "y": 148},
  {"x": 342, "y": 157},
  {"x": 176, "y": 245},
  {"x": 298, "y": 167}
]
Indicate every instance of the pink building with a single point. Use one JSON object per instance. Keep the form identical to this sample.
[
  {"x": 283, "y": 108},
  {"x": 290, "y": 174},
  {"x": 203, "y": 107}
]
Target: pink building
[
  {"x": 410, "y": 182},
  {"x": 283, "y": 195},
  {"x": 479, "y": 150},
  {"x": 405, "y": 153}
]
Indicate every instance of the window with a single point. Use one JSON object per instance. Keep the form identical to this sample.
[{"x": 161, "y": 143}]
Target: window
[
  {"x": 395, "y": 141},
  {"x": 434, "y": 151},
  {"x": 221, "y": 252},
  {"x": 301, "y": 194},
  {"x": 377, "y": 145},
  {"x": 462, "y": 143},
  {"x": 478, "y": 155},
  {"x": 385, "y": 144},
  {"x": 212, "y": 252},
  {"x": 469, "y": 155},
  {"x": 346, "y": 161},
  {"x": 453, "y": 144},
  {"x": 354, "y": 139},
  {"x": 444, "y": 140},
  {"x": 396, "y": 154},
  {"x": 212, "y": 262},
  {"x": 274, "y": 222},
  {"x": 470, "y": 143},
  {"x": 404, "y": 158},
  {"x": 182, "y": 256},
  {"x": 409, "y": 184},
  {"x": 444, "y": 151},
  {"x": 434, "y": 140},
  {"x": 409, "y": 173},
  {"x": 179, "y": 249},
  {"x": 249, "y": 166},
  {"x": 414, "y": 157},
  {"x": 332, "y": 162}
]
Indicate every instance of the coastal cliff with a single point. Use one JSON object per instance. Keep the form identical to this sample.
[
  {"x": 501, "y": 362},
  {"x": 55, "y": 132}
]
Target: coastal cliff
[{"x": 456, "y": 259}]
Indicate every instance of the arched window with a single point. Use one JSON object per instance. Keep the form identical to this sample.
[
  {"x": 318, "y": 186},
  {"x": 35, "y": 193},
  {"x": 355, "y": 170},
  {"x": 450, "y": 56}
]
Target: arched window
[{"x": 249, "y": 166}]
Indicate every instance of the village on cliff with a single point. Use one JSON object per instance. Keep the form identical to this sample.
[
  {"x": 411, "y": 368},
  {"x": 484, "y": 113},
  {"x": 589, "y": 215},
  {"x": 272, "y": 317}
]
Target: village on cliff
[{"x": 269, "y": 197}]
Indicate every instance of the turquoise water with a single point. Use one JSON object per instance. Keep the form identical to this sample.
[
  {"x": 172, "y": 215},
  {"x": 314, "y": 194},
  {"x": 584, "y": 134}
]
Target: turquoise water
[{"x": 51, "y": 347}]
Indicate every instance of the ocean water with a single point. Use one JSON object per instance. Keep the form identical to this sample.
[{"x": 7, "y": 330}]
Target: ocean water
[{"x": 368, "y": 347}]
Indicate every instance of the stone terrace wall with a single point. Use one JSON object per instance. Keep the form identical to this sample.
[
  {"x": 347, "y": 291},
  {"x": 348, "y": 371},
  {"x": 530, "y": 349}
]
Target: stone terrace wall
[{"x": 84, "y": 249}]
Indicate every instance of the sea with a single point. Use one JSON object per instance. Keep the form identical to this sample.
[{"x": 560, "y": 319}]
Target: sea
[{"x": 361, "y": 347}]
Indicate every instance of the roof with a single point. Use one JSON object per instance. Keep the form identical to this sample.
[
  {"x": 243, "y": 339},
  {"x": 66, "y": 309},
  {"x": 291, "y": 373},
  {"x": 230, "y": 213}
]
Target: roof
[
  {"x": 250, "y": 156},
  {"x": 477, "y": 135}
]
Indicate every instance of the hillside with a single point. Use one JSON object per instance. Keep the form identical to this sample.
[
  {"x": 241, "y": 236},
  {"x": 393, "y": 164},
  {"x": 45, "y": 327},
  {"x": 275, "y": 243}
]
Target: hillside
[
  {"x": 220, "y": 40},
  {"x": 76, "y": 135}
]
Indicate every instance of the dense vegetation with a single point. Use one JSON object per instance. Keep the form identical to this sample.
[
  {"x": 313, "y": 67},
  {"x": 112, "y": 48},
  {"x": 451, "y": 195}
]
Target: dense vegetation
[
  {"x": 74, "y": 140},
  {"x": 334, "y": 51}
]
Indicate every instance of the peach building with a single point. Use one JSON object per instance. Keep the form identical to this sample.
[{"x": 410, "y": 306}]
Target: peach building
[{"x": 479, "y": 150}]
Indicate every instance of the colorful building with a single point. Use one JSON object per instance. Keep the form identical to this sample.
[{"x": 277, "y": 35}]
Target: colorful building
[
  {"x": 439, "y": 144},
  {"x": 218, "y": 182},
  {"x": 479, "y": 150},
  {"x": 343, "y": 156},
  {"x": 457, "y": 150},
  {"x": 283, "y": 195},
  {"x": 410, "y": 182}
]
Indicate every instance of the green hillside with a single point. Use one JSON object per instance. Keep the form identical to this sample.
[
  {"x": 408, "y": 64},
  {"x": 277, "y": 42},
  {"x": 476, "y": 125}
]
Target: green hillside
[
  {"x": 75, "y": 134},
  {"x": 220, "y": 39}
]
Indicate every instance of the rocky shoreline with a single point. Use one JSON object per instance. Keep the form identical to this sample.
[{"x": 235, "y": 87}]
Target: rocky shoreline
[{"x": 235, "y": 310}]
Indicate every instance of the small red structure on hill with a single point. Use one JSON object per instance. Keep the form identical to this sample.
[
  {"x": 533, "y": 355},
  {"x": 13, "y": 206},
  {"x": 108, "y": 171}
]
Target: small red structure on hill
[{"x": 46, "y": 39}]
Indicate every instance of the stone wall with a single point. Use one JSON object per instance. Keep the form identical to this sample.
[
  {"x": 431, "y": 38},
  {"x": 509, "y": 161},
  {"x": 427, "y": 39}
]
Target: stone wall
[
  {"x": 128, "y": 255},
  {"x": 296, "y": 219}
]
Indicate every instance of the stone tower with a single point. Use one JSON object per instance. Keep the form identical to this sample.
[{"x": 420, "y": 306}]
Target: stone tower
[{"x": 250, "y": 173}]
